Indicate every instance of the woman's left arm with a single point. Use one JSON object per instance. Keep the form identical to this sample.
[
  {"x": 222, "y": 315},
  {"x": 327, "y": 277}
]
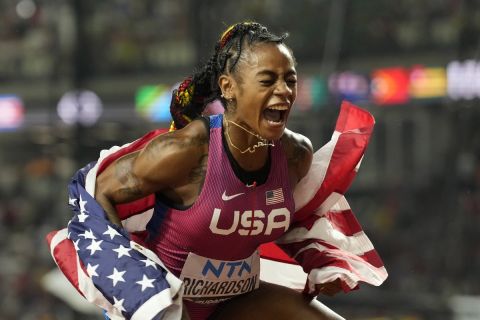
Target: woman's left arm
[{"x": 299, "y": 151}]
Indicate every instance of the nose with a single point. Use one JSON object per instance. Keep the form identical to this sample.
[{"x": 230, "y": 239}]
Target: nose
[{"x": 283, "y": 89}]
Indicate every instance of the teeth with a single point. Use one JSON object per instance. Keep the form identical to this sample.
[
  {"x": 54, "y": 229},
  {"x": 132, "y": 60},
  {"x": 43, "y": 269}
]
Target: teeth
[{"x": 281, "y": 108}]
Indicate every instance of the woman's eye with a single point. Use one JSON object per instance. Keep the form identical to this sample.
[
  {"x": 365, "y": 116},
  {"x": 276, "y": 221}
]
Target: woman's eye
[
  {"x": 266, "y": 82},
  {"x": 291, "y": 81}
]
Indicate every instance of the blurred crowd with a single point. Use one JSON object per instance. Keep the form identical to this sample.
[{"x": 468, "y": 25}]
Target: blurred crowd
[
  {"x": 418, "y": 191},
  {"x": 31, "y": 204}
]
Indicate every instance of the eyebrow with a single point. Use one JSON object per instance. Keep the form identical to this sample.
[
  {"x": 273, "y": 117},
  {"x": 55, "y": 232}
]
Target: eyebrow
[{"x": 274, "y": 74}]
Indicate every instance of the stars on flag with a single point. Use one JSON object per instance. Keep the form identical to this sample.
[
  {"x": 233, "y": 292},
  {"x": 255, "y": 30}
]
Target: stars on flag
[
  {"x": 92, "y": 270},
  {"x": 149, "y": 263},
  {"x": 111, "y": 232},
  {"x": 145, "y": 283},
  {"x": 88, "y": 234},
  {"x": 118, "y": 304},
  {"x": 122, "y": 251},
  {"x": 82, "y": 217},
  {"x": 108, "y": 257},
  {"x": 71, "y": 202},
  {"x": 95, "y": 246},
  {"x": 117, "y": 276},
  {"x": 75, "y": 244}
]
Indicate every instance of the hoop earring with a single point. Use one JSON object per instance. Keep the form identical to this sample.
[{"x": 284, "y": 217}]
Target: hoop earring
[{"x": 230, "y": 100}]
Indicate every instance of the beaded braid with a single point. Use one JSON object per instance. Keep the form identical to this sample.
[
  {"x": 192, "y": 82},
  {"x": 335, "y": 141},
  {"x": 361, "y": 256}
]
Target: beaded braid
[{"x": 195, "y": 92}]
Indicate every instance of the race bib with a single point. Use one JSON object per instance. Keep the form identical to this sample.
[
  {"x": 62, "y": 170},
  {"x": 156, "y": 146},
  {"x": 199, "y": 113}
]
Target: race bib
[{"x": 211, "y": 281}]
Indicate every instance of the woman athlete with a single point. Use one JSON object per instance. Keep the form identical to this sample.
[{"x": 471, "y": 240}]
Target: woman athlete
[
  {"x": 171, "y": 225},
  {"x": 212, "y": 177}
]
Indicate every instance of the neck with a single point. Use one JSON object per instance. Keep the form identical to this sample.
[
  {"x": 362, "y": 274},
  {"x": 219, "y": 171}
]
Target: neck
[{"x": 248, "y": 148}]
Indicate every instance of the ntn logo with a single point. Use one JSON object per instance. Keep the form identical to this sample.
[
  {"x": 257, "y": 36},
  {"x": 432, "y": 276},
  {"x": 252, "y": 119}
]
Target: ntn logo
[{"x": 231, "y": 268}]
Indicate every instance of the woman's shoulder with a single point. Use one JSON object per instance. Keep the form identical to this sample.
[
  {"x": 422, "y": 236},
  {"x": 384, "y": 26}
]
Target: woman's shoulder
[
  {"x": 179, "y": 148},
  {"x": 293, "y": 141},
  {"x": 299, "y": 152},
  {"x": 198, "y": 129},
  {"x": 169, "y": 159},
  {"x": 192, "y": 136}
]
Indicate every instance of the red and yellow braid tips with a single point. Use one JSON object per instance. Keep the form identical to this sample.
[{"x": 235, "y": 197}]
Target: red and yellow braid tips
[
  {"x": 183, "y": 97},
  {"x": 227, "y": 34},
  {"x": 185, "y": 92}
]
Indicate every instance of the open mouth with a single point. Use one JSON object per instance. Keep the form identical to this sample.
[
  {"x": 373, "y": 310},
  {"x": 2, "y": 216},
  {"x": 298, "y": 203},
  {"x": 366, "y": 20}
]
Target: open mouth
[{"x": 275, "y": 114}]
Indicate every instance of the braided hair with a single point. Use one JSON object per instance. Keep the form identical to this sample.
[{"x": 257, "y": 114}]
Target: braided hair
[{"x": 196, "y": 91}]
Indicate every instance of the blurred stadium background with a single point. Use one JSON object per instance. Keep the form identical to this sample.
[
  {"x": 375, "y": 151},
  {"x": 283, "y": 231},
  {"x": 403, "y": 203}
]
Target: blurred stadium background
[{"x": 80, "y": 75}]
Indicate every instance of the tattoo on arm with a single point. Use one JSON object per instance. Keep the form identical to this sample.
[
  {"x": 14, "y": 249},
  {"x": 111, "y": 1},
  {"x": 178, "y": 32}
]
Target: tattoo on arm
[
  {"x": 197, "y": 175},
  {"x": 130, "y": 183},
  {"x": 169, "y": 139}
]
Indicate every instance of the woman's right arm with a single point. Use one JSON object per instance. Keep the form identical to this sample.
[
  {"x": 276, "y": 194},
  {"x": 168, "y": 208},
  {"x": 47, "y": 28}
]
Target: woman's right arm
[{"x": 165, "y": 164}]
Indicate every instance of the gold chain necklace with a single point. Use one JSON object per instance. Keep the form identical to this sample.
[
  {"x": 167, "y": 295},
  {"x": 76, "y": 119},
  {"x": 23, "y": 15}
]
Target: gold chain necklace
[{"x": 261, "y": 143}]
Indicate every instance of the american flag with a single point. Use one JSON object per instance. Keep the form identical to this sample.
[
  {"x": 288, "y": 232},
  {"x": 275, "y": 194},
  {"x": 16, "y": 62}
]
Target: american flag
[
  {"x": 274, "y": 196},
  {"x": 111, "y": 269},
  {"x": 128, "y": 281},
  {"x": 325, "y": 237}
]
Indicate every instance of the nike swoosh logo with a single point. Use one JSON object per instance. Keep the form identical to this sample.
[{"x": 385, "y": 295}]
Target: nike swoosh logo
[{"x": 226, "y": 198}]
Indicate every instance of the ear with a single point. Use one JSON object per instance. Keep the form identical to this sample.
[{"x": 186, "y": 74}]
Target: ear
[{"x": 227, "y": 85}]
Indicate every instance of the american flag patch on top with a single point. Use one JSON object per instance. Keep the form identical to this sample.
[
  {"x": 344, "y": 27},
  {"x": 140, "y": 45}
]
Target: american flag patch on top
[{"x": 274, "y": 196}]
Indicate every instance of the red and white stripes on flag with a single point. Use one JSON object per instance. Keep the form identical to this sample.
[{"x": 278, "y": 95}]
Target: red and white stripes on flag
[{"x": 325, "y": 238}]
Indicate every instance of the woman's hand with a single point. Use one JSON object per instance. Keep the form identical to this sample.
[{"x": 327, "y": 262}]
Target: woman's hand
[{"x": 330, "y": 288}]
